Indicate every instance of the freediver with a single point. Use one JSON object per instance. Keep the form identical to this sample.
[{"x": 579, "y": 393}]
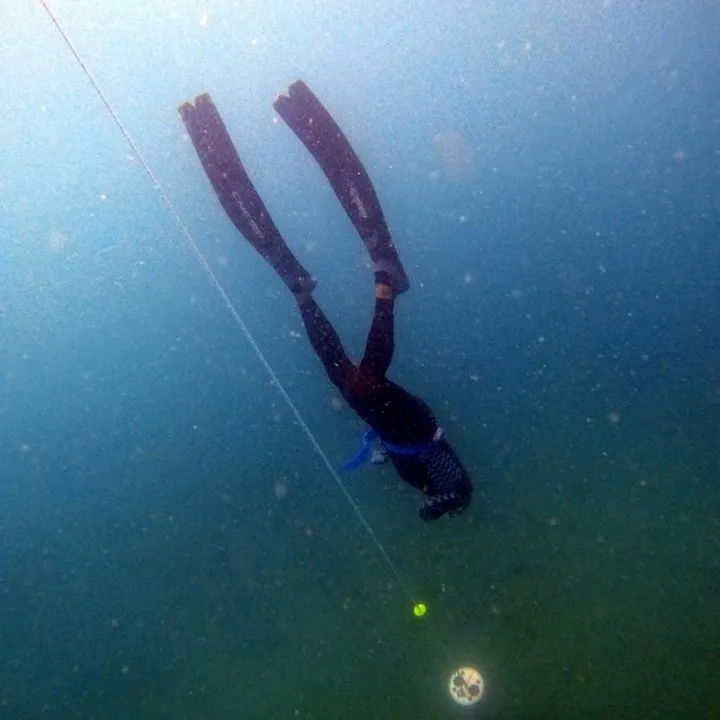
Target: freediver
[{"x": 403, "y": 423}]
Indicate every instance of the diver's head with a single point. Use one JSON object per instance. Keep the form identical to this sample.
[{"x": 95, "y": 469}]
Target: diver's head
[{"x": 452, "y": 503}]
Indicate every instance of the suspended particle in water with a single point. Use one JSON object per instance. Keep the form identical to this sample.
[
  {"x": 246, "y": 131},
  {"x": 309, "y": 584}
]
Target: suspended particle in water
[
  {"x": 679, "y": 155},
  {"x": 58, "y": 241}
]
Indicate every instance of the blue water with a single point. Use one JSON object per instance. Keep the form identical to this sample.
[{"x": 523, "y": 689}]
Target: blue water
[{"x": 171, "y": 545}]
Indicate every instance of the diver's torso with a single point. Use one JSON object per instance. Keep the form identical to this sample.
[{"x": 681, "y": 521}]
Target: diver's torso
[
  {"x": 402, "y": 419},
  {"x": 399, "y": 417}
]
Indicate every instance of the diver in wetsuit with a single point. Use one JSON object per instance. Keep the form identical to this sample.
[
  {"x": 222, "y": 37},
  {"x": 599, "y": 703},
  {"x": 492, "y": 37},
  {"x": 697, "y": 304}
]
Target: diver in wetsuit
[{"x": 403, "y": 423}]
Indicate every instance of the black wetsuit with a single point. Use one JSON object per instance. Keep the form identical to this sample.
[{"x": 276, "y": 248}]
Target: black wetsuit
[
  {"x": 402, "y": 421},
  {"x": 400, "y": 418}
]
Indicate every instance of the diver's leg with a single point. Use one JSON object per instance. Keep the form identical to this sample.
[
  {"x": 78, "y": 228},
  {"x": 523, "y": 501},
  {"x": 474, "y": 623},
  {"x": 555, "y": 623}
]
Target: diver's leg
[
  {"x": 237, "y": 194},
  {"x": 326, "y": 343},
  {"x": 380, "y": 344},
  {"x": 321, "y": 135}
]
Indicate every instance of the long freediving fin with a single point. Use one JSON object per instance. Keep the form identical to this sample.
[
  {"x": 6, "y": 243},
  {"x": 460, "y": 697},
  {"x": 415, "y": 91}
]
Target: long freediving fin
[
  {"x": 317, "y": 130},
  {"x": 237, "y": 194}
]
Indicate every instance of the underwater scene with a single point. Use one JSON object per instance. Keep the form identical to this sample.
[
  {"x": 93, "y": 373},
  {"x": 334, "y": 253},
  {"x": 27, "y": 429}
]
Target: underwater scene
[{"x": 360, "y": 361}]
